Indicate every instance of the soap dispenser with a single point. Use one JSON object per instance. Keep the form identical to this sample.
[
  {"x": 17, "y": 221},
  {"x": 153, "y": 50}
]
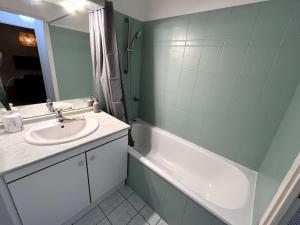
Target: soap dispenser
[
  {"x": 90, "y": 102},
  {"x": 96, "y": 106}
]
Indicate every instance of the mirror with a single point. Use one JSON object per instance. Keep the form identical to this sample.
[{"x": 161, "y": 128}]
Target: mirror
[{"x": 45, "y": 54}]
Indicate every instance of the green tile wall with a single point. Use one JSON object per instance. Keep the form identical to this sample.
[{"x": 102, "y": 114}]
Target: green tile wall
[
  {"x": 171, "y": 204},
  {"x": 279, "y": 158},
  {"x": 72, "y": 59},
  {"x": 223, "y": 79}
]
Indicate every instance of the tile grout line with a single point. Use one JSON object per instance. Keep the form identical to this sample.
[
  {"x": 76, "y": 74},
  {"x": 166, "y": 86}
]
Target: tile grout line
[
  {"x": 142, "y": 215},
  {"x": 124, "y": 195},
  {"x": 158, "y": 221},
  {"x": 138, "y": 211},
  {"x": 125, "y": 199},
  {"x": 141, "y": 208},
  {"x": 145, "y": 218},
  {"x": 132, "y": 218},
  {"x": 134, "y": 207},
  {"x": 104, "y": 215},
  {"x": 113, "y": 208}
]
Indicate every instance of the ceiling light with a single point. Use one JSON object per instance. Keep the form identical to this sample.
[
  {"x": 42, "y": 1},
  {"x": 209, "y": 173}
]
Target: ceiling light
[
  {"x": 80, "y": 4},
  {"x": 69, "y": 6},
  {"x": 73, "y": 6}
]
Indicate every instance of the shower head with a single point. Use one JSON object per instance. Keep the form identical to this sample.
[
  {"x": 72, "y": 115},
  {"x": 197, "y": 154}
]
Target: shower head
[
  {"x": 138, "y": 34},
  {"x": 135, "y": 37}
]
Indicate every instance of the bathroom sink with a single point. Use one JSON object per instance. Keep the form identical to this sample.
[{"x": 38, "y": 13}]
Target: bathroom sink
[{"x": 53, "y": 132}]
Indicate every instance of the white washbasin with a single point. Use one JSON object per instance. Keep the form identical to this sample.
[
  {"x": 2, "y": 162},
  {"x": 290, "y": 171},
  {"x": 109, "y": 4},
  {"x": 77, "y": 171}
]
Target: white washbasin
[{"x": 53, "y": 132}]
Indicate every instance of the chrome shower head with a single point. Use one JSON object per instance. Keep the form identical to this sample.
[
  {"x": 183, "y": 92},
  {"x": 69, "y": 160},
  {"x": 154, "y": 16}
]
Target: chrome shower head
[
  {"x": 135, "y": 37},
  {"x": 138, "y": 34}
]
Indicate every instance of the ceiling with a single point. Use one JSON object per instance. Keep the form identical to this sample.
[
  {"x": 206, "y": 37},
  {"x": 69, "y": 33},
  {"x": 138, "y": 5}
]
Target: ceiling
[
  {"x": 39, "y": 10},
  {"x": 145, "y": 10},
  {"x": 78, "y": 21},
  {"x": 52, "y": 11}
]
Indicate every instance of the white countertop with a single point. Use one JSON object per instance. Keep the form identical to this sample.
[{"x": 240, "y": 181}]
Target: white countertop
[{"x": 16, "y": 153}]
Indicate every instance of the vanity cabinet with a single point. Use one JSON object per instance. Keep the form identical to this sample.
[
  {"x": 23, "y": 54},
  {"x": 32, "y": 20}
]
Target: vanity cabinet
[
  {"x": 53, "y": 194},
  {"x": 107, "y": 167}
]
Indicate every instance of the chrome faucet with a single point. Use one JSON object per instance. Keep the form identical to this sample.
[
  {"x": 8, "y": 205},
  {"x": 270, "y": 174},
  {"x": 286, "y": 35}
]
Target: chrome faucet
[
  {"x": 62, "y": 119},
  {"x": 50, "y": 106},
  {"x": 59, "y": 116}
]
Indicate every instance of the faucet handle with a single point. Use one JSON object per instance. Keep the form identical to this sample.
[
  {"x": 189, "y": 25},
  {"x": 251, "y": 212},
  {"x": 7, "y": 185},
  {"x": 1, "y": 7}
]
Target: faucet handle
[
  {"x": 49, "y": 105},
  {"x": 49, "y": 102},
  {"x": 58, "y": 111},
  {"x": 59, "y": 115}
]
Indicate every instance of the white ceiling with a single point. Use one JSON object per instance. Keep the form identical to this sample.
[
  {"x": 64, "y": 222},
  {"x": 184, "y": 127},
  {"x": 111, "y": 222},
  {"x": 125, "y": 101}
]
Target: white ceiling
[
  {"x": 146, "y": 10},
  {"x": 143, "y": 10},
  {"x": 78, "y": 21},
  {"x": 133, "y": 8},
  {"x": 49, "y": 10},
  {"x": 40, "y": 10}
]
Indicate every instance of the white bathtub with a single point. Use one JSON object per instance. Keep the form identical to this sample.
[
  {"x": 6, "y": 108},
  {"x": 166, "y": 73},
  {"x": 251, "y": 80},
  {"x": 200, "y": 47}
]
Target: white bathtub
[{"x": 224, "y": 188}]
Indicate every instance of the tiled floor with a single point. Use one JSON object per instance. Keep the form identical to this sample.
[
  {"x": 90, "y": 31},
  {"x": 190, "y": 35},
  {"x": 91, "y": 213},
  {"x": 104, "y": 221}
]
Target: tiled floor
[{"x": 121, "y": 208}]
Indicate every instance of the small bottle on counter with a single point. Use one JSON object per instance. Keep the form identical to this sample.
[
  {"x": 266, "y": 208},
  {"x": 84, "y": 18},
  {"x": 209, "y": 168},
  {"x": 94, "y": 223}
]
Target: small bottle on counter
[
  {"x": 90, "y": 102},
  {"x": 96, "y": 106}
]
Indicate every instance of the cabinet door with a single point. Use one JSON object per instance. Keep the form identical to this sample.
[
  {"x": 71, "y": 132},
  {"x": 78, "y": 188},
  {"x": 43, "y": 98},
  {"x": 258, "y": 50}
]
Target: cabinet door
[
  {"x": 107, "y": 166},
  {"x": 53, "y": 195}
]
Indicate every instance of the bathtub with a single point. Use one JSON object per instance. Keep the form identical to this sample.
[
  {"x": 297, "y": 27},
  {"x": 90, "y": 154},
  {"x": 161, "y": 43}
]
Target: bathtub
[{"x": 222, "y": 187}]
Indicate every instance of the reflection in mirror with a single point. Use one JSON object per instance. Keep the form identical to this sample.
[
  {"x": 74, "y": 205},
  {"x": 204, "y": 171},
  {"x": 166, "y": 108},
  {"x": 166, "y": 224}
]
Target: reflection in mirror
[
  {"x": 40, "y": 109},
  {"x": 72, "y": 60},
  {"x": 20, "y": 71},
  {"x": 45, "y": 58}
]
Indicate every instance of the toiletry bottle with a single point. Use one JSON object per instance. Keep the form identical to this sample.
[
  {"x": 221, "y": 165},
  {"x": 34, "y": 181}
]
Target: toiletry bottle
[
  {"x": 90, "y": 102},
  {"x": 96, "y": 106}
]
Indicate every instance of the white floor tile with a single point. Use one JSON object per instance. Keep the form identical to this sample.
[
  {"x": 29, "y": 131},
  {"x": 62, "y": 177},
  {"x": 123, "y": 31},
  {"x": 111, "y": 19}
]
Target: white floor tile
[
  {"x": 104, "y": 222},
  {"x": 91, "y": 218},
  {"x": 151, "y": 216},
  {"x": 120, "y": 211},
  {"x": 162, "y": 222},
  {"x": 122, "y": 215},
  {"x": 137, "y": 202},
  {"x": 138, "y": 220},
  {"x": 111, "y": 202},
  {"x": 125, "y": 191}
]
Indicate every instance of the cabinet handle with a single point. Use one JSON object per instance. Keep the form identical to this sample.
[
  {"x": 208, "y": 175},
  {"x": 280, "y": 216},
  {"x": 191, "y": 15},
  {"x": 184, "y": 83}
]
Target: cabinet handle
[
  {"x": 92, "y": 158},
  {"x": 80, "y": 163}
]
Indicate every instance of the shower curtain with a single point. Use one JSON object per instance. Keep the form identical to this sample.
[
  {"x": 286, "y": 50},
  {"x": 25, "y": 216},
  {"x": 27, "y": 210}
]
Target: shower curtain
[
  {"x": 106, "y": 65},
  {"x": 105, "y": 60}
]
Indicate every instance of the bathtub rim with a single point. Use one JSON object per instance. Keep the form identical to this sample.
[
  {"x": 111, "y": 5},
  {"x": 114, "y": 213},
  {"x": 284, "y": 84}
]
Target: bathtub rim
[
  {"x": 197, "y": 147},
  {"x": 251, "y": 176}
]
